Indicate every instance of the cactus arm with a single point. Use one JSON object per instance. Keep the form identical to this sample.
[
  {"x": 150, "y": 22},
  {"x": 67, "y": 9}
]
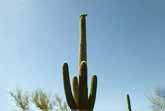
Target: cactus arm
[
  {"x": 67, "y": 87},
  {"x": 129, "y": 103},
  {"x": 93, "y": 90},
  {"x": 76, "y": 89},
  {"x": 83, "y": 88}
]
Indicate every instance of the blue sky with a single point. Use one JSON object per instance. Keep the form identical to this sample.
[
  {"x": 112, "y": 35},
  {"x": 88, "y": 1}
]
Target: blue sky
[{"x": 125, "y": 47}]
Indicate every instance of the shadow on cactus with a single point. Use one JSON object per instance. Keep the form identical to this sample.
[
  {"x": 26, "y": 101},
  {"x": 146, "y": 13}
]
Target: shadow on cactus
[{"x": 79, "y": 99}]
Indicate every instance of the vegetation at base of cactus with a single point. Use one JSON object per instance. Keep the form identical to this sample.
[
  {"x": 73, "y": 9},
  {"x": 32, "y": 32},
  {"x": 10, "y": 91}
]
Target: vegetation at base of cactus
[
  {"x": 78, "y": 99},
  {"x": 38, "y": 98},
  {"x": 157, "y": 100},
  {"x": 41, "y": 100},
  {"x": 21, "y": 98},
  {"x": 129, "y": 103}
]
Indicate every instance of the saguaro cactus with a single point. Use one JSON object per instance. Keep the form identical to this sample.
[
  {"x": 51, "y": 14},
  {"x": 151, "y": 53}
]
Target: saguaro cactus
[
  {"x": 79, "y": 99},
  {"x": 129, "y": 103}
]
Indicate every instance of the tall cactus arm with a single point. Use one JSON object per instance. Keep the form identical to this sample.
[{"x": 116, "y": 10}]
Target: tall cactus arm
[
  {"x": 93, "y": 90},
  {"x": 67, "y": 87},
  {"x": 76, "y": 88},
  {"x": 83, "y": 86},
  {"x": 129, "y": 103}
]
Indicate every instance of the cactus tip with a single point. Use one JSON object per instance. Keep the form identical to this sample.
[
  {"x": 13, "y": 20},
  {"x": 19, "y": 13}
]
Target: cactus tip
[
  {"x": 65, "y": 63},
  {"x": 83, "y": 14},
  {"x": 94, "y": 76}
]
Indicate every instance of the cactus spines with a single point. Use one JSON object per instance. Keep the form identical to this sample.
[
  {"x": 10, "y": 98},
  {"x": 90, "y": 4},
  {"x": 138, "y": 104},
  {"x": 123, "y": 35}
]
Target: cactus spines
[
  {"x": 79, "y": 100},
  {"x": 129, "y": 103}
]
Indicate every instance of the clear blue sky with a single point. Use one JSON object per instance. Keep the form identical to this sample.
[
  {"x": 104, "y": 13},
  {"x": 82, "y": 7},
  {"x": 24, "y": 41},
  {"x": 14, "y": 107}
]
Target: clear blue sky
[{"x": 125, "y": 47}]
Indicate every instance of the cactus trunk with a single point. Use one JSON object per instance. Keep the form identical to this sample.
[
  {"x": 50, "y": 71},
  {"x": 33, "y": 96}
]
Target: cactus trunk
[
  {"x": 79, "y": 100},
  {"x": 83, "y": 44}
]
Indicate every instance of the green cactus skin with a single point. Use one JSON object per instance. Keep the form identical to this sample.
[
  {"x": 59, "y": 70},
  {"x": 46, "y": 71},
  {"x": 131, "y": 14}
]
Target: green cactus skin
[
  {"x": 129, "y": 103},
  {"x": 68, "y": 91},
  {"x": 79, "y": 100},
  {"x": 93, "y": 90}
]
